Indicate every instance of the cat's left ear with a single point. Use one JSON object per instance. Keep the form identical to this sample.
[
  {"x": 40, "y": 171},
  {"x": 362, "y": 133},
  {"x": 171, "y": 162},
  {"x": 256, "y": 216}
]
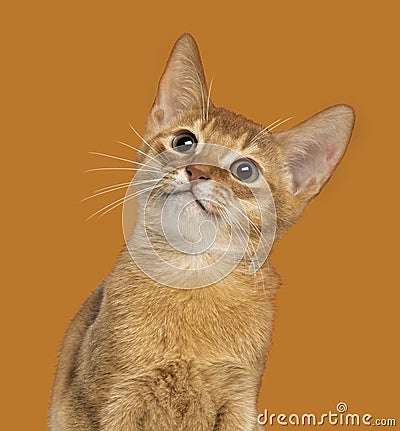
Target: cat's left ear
[
  {"x": 182, "y": 85},
  {"x": 312, "y": 150}
]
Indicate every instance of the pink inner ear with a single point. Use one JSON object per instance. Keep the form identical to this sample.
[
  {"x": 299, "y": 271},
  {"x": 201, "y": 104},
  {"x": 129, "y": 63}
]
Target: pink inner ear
[
  {"x": 330, "y": 152},
  {"x": 313, "y": 149},
  {"x": 315, "y": 158},
  {"x": 307, "y": 162}
]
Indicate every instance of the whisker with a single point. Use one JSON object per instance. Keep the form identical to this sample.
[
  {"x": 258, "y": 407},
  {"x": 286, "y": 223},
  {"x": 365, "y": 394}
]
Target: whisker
[
  {"x": 155, "y": 195},
  {"x": 121, "y": 169},
  {"x": 269, "y": 212},
  {"x": 269, "y": 128},
  {"x": 244, "y": 236},
  {"x": 262, "y": 279},
  {"x": 142, "y": 152},
  {"x": 209, "y": 96},
  {"x": 126, "y": 145},
  {"x": 261, "y": 132},
  {"x": 272, "y": 124},
  {"x": 120, "y": 200},
  {"x": 280, "y": 123},
  {"x": 127, "y": 198},
  {"x": 262, "y": 283},
  {"x": 113, "y": 157},
  {"x": 248, "y": 219},
  {"x": 232, "y": 221},
  {"x": 139, "y": 136},
  {"x": 250, "y": 250},
  {"x": 122, "y": 159},
  {"x": 127, "y": 183},
  {"x": 117, "y": 187},
  {"x": 109, "y": 190},
  {"x": 113, "y": 185},
  {"x": 145, "y": 181}
]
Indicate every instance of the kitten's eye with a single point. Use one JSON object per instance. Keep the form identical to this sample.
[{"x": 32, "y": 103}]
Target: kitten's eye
[
  {"x": 245, "y": 170},
  {"x": 184, "y": 142}
]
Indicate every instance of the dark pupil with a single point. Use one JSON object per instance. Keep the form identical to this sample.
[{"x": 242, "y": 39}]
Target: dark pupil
[
  {"x": 184, "y": 143},
  {"x": 244, "y": 171}
]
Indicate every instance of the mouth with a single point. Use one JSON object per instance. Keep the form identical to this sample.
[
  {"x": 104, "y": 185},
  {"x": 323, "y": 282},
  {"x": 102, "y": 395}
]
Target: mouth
[
  {"x": 194, "y": 196},
  {"x": 199, "y": 203}
]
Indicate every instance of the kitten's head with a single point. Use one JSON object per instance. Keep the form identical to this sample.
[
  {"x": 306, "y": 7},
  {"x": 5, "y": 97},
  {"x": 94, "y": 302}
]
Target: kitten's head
[{"x": 212, "y": 166}]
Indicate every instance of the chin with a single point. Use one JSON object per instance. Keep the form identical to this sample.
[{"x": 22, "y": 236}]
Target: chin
[{"x": 183, "y": 219}]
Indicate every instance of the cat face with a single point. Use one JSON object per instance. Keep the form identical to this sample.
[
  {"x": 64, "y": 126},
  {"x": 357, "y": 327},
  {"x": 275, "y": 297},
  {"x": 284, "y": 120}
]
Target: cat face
[
  {"x": 215, "y": 172},
  {"x": 210, "y": 175}
]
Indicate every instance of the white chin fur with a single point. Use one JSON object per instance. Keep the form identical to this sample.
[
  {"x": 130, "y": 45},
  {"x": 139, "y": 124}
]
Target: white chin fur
[{"x": 186, "y": 225}]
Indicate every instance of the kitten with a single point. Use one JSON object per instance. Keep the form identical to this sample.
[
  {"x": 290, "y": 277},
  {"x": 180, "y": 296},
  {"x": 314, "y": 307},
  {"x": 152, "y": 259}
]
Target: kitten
[{"x": 176, "y": 336}]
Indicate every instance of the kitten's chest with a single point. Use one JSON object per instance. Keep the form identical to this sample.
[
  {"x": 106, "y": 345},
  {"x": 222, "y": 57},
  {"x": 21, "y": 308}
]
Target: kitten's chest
[{"x": 204, "y": 324}]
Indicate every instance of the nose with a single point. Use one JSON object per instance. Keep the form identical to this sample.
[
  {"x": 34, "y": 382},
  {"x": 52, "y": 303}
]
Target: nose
[{"x": 198, "y": 172}]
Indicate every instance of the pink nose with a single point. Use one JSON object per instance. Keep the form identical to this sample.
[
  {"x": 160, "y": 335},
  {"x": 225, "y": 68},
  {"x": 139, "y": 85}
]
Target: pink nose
[{"x": 198, "y": 172}]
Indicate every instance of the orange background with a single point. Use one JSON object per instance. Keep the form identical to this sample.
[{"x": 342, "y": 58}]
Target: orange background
[{"x": 74, "y": 75}]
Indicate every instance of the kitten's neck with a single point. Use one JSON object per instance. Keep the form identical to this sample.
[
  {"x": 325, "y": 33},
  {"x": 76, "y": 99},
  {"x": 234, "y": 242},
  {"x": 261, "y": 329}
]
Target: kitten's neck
[{"x": 182, "y": 268}]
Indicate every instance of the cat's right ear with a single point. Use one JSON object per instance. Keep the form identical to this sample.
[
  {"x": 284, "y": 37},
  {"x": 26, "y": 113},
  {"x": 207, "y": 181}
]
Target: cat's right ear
[
  {"x": 182, "y": 85},
  {"x": 312, "y": 150}
]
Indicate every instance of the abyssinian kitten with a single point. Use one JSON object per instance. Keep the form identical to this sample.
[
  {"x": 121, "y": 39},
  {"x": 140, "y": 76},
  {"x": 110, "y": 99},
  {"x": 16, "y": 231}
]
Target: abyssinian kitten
[{"x": 170, "y": 341}]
